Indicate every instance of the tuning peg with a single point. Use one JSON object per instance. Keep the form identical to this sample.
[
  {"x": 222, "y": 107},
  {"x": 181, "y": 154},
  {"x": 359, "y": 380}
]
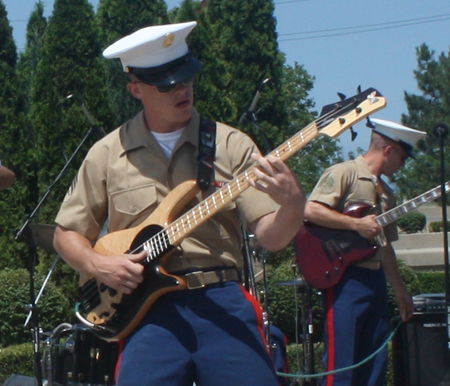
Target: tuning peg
[
  {"x": 341, "y": 96},
  {"x": 358, "y": 89},
  {"x": 354, "y": 134},
  {"x": 369, "y": 123}
]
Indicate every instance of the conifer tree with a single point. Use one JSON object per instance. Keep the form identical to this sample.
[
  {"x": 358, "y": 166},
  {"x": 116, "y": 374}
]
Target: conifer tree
[
  {"x": 426, "y": 112},
  {"x": 211, "y": 99},
  {"x": 70, "y": 65},
  {"x": 244, "y": 38},
  {"x": 116, "y": 19},
  {"x": 10, "y": 145},
  {"x": 321, "y": 152}
]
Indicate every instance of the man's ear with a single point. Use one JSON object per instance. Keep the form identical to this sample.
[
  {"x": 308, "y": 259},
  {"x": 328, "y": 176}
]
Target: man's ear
[
  {"x": 135, "y": 89},
  {"x": 388, "y": 149}
]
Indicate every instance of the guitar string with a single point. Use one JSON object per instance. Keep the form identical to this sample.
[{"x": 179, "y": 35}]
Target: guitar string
[
  {"x": 412, "y": 204},
  {"x": 178, "y": 228},
  {"x": 163, "y": 236},
  {"x": 162, "y": 239}
]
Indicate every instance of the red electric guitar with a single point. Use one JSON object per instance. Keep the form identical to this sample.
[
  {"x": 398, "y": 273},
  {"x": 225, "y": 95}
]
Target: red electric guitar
[{"x": 323, "y": 254}]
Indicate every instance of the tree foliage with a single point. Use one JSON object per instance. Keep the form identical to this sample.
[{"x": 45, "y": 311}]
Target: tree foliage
[
  {"x": 426, "y": 112},
  {"x": 69, "y": 66},
  {"x": 118, "y": 18},
  {"x": 42, "y": 128}
]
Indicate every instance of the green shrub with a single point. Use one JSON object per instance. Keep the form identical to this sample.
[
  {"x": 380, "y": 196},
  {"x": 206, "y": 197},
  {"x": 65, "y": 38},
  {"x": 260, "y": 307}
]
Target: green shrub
[
  {"x": 432, "y": 282},
  {"x": 438, "y": 226},
  {"x": 285, "y": 303},
  {"x": 412, "y": 222},
  {"x": 54, "y": 307},
  {"x": 16, "y": 360}
]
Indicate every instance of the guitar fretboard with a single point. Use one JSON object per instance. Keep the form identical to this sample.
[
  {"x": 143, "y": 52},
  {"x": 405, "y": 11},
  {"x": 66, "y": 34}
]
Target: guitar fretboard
[
  {"x": 337, "y": 118},
  {"x": 399, "y": 211},
  {"x": 181, "y": 227}
]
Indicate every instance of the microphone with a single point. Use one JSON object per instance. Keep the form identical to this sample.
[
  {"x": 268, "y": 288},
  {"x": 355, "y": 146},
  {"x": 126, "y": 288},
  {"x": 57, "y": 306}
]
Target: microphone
[
  {"x": 95, "y": 126},
  {"x": 441, "y": 130},
  {"x": 255, "y": 101}
]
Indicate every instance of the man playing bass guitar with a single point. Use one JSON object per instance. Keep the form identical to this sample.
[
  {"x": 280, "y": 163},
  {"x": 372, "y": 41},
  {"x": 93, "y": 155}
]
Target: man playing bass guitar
[
  {"x": 205, "y": 329},
  {"x": 357, "y": 320}
]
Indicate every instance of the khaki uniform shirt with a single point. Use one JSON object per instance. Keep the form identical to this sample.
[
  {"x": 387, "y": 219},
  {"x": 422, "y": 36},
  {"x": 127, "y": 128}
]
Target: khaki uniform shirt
[
  {"x": 126, "y": 175},
  {"x": 351, "y": 182}
]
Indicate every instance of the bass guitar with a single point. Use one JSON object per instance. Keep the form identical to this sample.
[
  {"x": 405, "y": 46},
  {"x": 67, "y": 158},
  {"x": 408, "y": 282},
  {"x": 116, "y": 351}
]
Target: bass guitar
[
  {"x": 113, "y": 315},
  {"x": 323, "y": 254}
]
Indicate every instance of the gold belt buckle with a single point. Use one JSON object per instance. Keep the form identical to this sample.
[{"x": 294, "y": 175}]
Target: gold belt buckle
[{"x": 195, "y": 280}]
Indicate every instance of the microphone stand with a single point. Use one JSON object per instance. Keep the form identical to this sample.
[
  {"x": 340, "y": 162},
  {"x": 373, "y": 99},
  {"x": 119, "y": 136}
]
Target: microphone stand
[
  {"x": 306, "y": 309},
  {"x": 250, "y": 277},
  {"x": 24, "y": 235},
  {"x": 441, "y": 131}
]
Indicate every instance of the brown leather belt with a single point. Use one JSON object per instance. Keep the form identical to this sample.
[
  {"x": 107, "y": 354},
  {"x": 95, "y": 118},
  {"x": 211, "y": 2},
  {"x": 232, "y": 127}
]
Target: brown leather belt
[
  {"x": 200, "y": 279},
  {"x": 370, "y": 264}
]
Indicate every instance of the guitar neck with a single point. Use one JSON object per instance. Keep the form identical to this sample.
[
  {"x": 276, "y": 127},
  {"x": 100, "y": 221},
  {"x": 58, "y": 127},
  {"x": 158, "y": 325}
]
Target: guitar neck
[
  {"x": 399, "y": 211},
  {"x": 214, "y": 203},
  {"x": 334, "y": 119}
]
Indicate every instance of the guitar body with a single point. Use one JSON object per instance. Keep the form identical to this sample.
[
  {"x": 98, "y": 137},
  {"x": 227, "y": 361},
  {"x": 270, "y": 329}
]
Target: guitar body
[
  {"x": 323, "y": 254},
  {"x": 113, "y": 313}
]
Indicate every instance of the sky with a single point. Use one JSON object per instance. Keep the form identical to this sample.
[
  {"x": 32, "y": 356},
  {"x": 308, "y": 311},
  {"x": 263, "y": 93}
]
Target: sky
[{"x": 342, "y": 43}]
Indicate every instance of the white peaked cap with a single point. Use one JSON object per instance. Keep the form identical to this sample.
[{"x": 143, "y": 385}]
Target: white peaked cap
[
  {"x": 405, "y": 136},
  {"x": 151, "y": 46}
]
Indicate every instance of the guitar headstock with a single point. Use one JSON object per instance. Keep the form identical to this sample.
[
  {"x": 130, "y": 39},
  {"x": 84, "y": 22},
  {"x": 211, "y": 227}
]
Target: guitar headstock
[{"x": 339, "y": 116}]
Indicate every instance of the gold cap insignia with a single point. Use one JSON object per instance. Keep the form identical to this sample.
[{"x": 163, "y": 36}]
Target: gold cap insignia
[{"x": 170, "y": 37}]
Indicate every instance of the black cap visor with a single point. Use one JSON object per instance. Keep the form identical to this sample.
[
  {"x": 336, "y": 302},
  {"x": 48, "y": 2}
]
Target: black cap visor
[{"x": 173, "y": 72}]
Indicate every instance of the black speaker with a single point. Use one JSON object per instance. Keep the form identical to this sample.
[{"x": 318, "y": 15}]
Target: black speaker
[{"x": 419, "y": 351}]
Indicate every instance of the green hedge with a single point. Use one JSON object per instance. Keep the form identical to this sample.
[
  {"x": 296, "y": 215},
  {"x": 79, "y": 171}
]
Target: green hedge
[
  {"x": 54, "y": 307},
  {"x": 412, "y": 222},
  {"x": 16, "y": 360},
  {"x": 438, "y": 226}
]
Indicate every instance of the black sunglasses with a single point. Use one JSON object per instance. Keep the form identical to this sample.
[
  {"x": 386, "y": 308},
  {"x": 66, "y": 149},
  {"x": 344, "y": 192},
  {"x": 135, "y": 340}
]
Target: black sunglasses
[{"x": 169, "y": 87}]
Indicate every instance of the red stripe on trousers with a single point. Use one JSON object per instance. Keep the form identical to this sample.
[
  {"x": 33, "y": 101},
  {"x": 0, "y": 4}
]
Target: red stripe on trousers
[
  {"x": 119, "y": 360},
  {"x": 330, "y": 331}
]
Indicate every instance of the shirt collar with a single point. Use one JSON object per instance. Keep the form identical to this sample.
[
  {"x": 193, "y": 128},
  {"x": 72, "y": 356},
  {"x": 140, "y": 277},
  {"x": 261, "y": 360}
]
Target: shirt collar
[{"x": 134, "y": 133}]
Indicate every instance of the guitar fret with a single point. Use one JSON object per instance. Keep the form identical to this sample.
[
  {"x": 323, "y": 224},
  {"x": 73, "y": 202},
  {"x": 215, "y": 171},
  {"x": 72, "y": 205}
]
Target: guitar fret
[
  {"x": 289, "y": 146},
  {"x": 147, "y": 248},
  {"x": 160, "y": 243},
  {"x": 238, "y": 184},
  {"x": 200, "y": 212},
  {"x": 301, "y": 136},
  {"x": 152, "y": 246},
  {"x": 188, "y": 220},
  {"x": 229, "y": 189}
]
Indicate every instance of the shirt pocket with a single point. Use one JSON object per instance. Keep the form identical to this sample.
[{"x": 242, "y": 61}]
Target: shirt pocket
[{"x": 129, "y": 207}]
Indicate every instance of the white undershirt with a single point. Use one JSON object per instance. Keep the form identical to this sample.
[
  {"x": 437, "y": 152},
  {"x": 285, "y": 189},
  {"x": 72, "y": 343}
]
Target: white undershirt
[{"x": 167, "y": 141}]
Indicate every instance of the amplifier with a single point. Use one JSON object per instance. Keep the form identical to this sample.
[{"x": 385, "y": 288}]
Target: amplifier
[
  {"x": 429, "y": 303},
  {"x": 419, "y": 348}
]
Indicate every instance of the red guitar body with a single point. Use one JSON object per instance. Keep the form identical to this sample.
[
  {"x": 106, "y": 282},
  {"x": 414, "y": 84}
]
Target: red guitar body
[{"x": 323, "y": 254}]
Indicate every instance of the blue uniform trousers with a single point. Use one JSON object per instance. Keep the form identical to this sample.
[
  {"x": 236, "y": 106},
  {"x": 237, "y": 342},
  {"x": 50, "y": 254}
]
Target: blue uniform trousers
[
  {"x": 211, "y": 336},
  {"x": 356, "y": 325}
]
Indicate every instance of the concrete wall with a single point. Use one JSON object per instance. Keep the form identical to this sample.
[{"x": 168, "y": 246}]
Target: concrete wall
[{"x": 423, "y": 251}]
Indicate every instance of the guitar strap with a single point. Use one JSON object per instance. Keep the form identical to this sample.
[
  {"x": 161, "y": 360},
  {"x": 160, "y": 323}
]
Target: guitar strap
[{"x": 206, "y": 153}]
